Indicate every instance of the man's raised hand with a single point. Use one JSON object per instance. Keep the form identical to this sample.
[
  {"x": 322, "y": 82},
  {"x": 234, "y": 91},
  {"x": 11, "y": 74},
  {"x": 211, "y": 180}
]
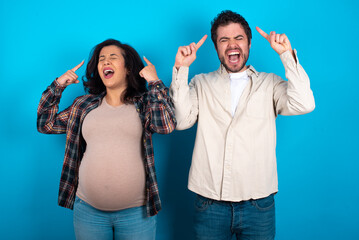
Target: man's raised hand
[
  {"x": 70, "y": 76},
  {"x": 187, "y": 54},
  {"x": 279, "y": 42}
]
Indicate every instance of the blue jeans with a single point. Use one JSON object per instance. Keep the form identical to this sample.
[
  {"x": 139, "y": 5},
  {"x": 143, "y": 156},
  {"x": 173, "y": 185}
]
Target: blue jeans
[
  {"x": 248, "y": 220},
  {"x": 128, "y": 224}
]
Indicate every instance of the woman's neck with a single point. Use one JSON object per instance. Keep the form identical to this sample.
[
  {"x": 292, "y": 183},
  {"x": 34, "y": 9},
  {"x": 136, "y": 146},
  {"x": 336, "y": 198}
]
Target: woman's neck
[{"x": 113, "y": 97}]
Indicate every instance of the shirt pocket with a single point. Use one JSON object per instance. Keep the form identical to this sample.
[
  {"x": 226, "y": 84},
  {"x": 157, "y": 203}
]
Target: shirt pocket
[{"x": 258, "y": 105}]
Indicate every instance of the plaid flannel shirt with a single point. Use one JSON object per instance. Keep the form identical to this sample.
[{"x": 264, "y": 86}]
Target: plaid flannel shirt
[{"x": 155, "y": 110}]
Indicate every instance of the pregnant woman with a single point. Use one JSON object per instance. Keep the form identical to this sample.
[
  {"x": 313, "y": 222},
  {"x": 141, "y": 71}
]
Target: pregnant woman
[{"x": 108, "y": 177}]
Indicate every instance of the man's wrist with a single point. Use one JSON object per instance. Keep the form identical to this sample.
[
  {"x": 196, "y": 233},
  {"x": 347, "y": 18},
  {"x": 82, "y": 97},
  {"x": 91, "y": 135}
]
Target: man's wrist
[{"x": 178, "y": 66}]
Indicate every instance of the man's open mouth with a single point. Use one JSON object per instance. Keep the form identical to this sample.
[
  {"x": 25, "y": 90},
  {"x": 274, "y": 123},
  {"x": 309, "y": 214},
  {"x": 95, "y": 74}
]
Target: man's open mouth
[{"x": 233, "y": 56}]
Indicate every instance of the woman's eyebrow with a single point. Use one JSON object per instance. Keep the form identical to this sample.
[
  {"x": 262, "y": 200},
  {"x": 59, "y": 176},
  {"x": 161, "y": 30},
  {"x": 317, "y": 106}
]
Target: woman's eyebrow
[{"x": 112, "y": 54}]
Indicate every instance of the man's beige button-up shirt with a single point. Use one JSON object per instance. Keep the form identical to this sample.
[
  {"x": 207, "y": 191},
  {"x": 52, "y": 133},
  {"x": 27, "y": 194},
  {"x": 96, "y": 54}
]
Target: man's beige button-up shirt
[{"x": 234, "y": 158}]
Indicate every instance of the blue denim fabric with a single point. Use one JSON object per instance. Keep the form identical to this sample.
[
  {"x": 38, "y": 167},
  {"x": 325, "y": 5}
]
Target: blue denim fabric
[
  {"x": 128, "y": 224},
  {"x": 247, "y": 220}
]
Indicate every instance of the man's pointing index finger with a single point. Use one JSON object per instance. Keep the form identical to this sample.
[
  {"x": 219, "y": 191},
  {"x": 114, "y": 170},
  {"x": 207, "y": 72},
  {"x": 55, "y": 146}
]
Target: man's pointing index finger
[
  {"x": 264, "y": 34},
  {"x": 199, "y": 44}
]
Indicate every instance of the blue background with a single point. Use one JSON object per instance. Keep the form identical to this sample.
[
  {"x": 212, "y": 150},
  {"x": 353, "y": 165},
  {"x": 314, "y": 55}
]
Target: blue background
[{"x": 317, "y": 153}]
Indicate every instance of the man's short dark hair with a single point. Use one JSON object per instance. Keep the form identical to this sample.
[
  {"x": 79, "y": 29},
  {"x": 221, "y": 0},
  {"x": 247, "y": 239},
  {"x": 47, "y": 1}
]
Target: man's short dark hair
[{"x": 226, "y": 17}]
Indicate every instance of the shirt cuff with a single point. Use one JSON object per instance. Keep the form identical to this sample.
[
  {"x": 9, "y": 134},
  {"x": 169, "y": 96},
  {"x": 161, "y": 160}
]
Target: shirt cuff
[
  {"x": 180, "y": 76},
  {"x": 157, "y": 84},
  {"x": 287, "y": 58},
  {"x": 57, "y": 88}
]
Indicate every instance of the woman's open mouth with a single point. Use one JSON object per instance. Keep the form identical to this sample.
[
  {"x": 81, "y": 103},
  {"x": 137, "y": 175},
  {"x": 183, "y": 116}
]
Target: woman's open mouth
[{"x": 108, "y": 72}]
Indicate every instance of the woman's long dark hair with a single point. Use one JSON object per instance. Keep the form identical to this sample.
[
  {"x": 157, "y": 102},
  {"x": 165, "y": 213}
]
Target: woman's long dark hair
[{"x": 136, "y": 85}]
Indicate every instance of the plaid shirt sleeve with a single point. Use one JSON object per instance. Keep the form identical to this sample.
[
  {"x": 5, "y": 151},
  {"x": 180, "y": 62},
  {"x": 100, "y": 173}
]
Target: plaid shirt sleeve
[
  {"x": 49, "y": 121},
  {"x": 161, "y": 109}
]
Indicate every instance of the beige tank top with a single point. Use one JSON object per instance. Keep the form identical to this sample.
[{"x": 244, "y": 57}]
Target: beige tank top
[{"x": 112, "y": 172}]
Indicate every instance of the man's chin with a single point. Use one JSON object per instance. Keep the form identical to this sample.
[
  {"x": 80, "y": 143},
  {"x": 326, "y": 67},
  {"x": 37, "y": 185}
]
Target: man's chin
[{"x": 233, "y": 69}]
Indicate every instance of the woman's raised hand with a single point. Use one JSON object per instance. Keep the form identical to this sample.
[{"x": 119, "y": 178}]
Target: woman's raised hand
[
  {"x": 70, "y": 76},
  {"x": 149, "y": 72}
]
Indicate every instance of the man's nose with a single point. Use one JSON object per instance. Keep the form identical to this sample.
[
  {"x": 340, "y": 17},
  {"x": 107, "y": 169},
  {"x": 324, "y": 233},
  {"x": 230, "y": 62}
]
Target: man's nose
[{"x": 232, "y": 43}]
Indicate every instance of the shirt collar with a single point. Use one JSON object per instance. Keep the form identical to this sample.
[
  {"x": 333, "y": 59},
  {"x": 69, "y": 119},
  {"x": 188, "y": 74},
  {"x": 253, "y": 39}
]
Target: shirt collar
[{"x": 99, "y": 96}]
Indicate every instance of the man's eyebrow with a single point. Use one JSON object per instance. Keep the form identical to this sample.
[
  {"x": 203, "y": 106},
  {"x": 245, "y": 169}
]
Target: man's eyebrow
[{"x": 223, "y": 38}]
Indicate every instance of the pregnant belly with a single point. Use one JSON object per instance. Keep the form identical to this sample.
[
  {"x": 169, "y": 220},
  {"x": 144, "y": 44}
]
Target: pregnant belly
[{"x": 112, "y": 183}]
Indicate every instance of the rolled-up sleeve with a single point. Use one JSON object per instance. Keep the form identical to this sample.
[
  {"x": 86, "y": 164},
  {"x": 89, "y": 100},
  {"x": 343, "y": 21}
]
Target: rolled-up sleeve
[
  {"x": 49, "y": 121},
  {"x": 160, "y": 108},
  {"x": 184, "y": 97},
  {"x": 293, "y": 97}
]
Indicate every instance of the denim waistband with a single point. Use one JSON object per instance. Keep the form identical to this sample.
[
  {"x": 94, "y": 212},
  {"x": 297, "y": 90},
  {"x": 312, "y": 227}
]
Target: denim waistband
[{"x": 210, "y": 200}]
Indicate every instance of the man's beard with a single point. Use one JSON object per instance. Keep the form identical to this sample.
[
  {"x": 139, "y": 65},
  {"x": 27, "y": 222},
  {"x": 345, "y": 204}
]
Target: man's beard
[{"x": 234, "y": 70}]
